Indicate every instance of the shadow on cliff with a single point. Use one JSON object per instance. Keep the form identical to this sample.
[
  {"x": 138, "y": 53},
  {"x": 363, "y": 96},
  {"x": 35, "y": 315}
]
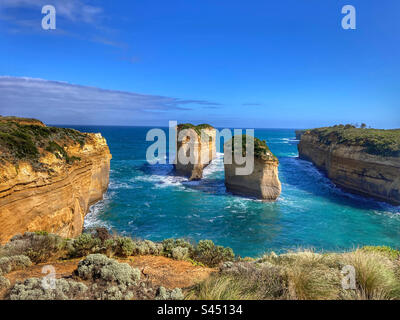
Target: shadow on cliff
[{"x": 303, "y": 175}]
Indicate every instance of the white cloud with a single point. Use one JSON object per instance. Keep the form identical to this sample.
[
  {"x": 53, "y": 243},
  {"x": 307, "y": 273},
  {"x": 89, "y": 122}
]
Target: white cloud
[
  {"x": 73, "y": 10},
  {"x": 61, "y": 102}
]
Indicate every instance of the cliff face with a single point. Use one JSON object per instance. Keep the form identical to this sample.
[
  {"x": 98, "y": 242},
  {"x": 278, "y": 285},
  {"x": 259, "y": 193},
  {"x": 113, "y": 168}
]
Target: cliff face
[
  {"x": 263, "y": 183},
  {"x": 203, "y": 150},
  {"x": 53, "y": 190},
  {"x": 352, "y": 168},
  {"x": 299, "y": 133}
]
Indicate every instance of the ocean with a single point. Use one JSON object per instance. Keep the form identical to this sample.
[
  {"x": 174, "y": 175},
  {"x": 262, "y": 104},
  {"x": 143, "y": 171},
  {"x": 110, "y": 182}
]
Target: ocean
[{"x": 149, "y": 202}]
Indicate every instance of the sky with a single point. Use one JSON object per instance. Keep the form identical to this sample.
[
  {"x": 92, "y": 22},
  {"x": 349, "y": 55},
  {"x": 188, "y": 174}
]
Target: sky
[{"x": 243, "y": 64}]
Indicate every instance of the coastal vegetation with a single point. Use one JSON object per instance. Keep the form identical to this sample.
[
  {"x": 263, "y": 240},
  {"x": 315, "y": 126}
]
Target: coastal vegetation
[
  {"x": 261, "y": 149},
  {"x": 103, "y": 270},
  {"x": 374, "y": 141},
  {"x": 197, "y": 128},
  {"x": 28, "y": 139}
]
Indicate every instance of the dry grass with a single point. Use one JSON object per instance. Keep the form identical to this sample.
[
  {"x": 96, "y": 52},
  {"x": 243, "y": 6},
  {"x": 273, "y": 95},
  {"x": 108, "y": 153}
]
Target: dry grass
[{"x": 306, "y": 276}]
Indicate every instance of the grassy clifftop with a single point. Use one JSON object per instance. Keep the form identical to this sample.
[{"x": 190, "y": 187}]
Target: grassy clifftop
[
  {"x": 375, "y": 141},
  {"x": 29, "y": 139}
]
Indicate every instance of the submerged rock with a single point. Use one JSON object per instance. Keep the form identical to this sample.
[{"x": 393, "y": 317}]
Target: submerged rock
[
  {"x": 195, "y": 149},
  {"x": 263, "y": 182}
]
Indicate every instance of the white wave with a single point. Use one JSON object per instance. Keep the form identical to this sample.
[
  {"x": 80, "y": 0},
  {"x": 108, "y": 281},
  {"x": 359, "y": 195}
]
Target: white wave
[
  {"x": 92, "y": 218},
  {"x": 216, "y": 165}
]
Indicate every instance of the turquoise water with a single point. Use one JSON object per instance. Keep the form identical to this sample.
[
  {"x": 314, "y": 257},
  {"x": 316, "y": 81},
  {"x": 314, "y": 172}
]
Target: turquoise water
[{"x": 148, "y": 201}]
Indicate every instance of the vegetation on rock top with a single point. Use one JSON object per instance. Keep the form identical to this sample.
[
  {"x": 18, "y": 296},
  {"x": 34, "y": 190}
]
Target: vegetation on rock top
[
  {"x": 197, "y": 128},
  {"x": 261, "y": 149},
  {"x": 29, "y": 139},
  {"x": 375, "y": 141}
]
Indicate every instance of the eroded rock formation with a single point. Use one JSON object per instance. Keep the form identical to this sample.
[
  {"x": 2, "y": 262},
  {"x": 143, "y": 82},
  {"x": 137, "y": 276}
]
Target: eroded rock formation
[
  {"x": 362, "y": 161},
  {"x": 263, "y": 183},
  {"x": 194, "y": 150},
  {"x": 49, "y": 177}
]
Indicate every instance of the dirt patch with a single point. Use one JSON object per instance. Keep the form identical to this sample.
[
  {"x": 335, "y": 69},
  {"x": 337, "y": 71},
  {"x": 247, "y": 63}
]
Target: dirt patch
[
  {"x": 160, "y": 271},
  {"x": 169, "y": 273}
]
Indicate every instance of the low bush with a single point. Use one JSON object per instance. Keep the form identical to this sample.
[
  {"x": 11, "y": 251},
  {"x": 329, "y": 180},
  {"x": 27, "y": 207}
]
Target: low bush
[
  {"x": 38, "y": 247},
  {"x": 84, "y": 245},
  {"x": 165, "y": 294},
  {"x": 124, "y": 246},
  {"x": 4, "y": 282},
  {"x": 8, "y": 264},
  {"x": 33, "y": 289},
  {"x": 99, "y": 268},
  {"x": 211, "y": 255},
  {"x": 180, "y": 253},
  {"x": 146, "y": 247},
  {"x": 170, "y": 244}
]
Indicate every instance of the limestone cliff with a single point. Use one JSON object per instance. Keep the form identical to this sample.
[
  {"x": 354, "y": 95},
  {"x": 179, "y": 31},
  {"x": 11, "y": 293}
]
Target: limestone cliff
[
  {"x": 195, "y": 149},
  {"x": 299, "y": 133},
  {"x": 48, "y": 177},
  {"x": 362, "y": 161},
  {"x": 263, "y": 183}
]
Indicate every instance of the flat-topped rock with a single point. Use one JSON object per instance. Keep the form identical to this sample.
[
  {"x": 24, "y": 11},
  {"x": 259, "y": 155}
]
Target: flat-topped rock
[{"x": 263, "y": 182}]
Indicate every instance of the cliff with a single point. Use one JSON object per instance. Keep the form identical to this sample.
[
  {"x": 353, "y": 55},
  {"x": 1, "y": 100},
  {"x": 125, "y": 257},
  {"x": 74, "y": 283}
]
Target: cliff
[
  {"x": 263, "y": 183},
  {"x": 194, "y": 151},
  {"x": 48, "y": 177},
  {"x": 299, "y": 133},
  {"x": 362, "y": 161}
]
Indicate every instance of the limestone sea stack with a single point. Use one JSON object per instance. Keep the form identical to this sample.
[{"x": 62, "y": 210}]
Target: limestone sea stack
[
  {"x": 196, "y": 143},
  {"x": 361, "y": 161},
  {"x": 48, "y": 177},
  {"x": 263, "y": 182}
]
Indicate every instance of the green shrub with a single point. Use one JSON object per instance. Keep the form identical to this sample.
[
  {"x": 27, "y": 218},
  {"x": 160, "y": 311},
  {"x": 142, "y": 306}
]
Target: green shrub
[
  {"x": 5, "y": 265},
  {"x": 124, "y": 246},
  {"x": 261, "y": 149},
  {"x": 180, "y": 253},
  {"x": 170, "y": 244},
  {"x": 4, "y": 282},
  {"x": 37, "y": 247},
  {"x": 84, "y": 245},
  {"x": 165, "y": 294},
  {"x": 33, "y": 289},
  {"x": 99, "y": 268},
  {"x": 211, "y": 255},
  {"x": 147, "y": 247}
]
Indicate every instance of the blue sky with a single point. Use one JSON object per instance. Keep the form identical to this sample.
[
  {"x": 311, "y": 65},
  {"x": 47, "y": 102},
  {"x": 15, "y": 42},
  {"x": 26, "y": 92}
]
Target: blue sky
[{"x": 282, "y": 64}]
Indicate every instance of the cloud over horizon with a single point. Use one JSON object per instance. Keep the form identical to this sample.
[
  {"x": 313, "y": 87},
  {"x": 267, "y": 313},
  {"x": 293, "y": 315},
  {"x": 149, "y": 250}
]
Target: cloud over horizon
[{"x": 58, "y": 102}]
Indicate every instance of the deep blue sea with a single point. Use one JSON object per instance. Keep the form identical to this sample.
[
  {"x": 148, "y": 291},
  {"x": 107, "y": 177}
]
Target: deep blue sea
[{"x": 148, "y": 202}]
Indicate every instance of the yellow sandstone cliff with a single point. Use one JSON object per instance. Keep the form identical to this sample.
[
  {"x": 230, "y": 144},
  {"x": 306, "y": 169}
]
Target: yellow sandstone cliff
[
  {"x": 51, "y": 188},
  {"x": 194, "y": 152},
  {"x": 355, "y": 167}
]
